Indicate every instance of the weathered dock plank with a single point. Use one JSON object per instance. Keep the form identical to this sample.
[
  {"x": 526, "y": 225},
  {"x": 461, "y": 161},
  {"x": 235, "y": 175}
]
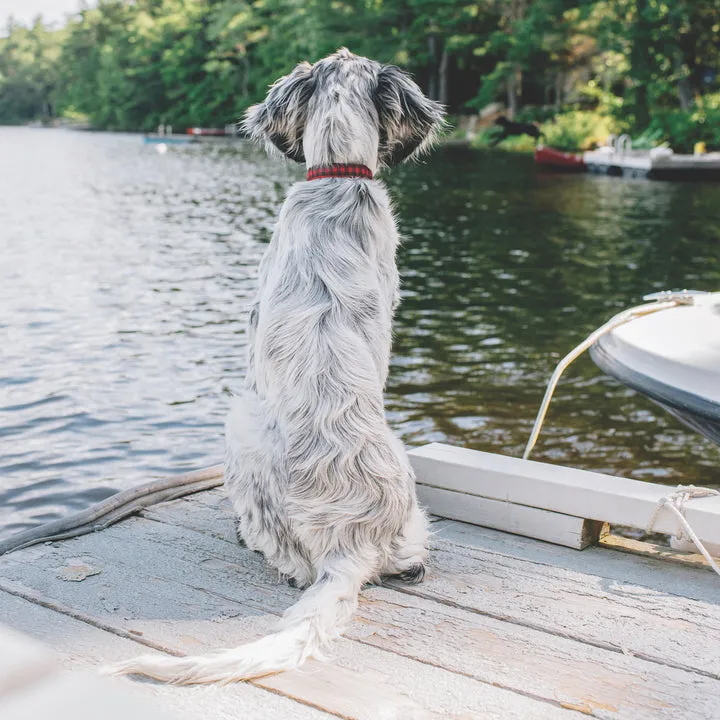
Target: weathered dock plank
[
  {"x": 572, "y": 532},
  {"x": 362, "y": 682},
  {"x": 135, "y": 595},
  {"x": 187, "y": 591},
  {"x": 628, "y": 604},
  {"x": 83, "y": 646},
  {"x": 641, "y": 569},
  {"x": 625, "y": 617}
]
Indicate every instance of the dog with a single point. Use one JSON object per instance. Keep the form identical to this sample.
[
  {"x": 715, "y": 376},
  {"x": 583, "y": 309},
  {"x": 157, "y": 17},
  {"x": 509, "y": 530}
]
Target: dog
[
  {"x": 320, "y": 485},
  {"x": 510, "y": 128}
]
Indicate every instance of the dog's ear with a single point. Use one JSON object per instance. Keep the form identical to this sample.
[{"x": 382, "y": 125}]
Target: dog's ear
[
  {"x": 280, "y": 119},
  {"x": 408, "y": 120}
]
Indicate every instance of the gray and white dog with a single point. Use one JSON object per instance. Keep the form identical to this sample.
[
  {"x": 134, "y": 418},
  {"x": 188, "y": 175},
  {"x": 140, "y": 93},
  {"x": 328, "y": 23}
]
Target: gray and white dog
[{"x": 320, "y": 485}]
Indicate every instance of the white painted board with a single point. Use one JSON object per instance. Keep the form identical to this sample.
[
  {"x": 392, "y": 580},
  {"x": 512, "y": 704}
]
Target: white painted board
[
  {"x": 544, "y": 525},
  {"x": 583, "y": 494}
]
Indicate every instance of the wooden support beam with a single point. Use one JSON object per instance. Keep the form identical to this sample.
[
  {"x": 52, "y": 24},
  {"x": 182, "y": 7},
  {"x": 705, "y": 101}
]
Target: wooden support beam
[
  {"x": 577, "y": 493},
  {"x": 544, "y": 525}
]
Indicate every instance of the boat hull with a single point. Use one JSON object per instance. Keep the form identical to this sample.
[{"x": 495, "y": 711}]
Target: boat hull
[
  {"x": 693, "y": 410},
  {"x": 557, "y": 161},
  {"x": 672, "y": 357}
]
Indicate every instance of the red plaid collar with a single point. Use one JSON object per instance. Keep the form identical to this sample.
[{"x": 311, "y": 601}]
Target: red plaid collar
[{"x": 339, "y": 170}]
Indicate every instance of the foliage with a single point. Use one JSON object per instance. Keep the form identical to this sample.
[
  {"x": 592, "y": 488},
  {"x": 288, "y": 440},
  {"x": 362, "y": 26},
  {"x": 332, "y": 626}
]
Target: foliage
[
  {"x": 648, "y": 139},
  {"x": 28, "y": 73},
  {"x": 682, "y": 130},
  {"x": 486, "y": 137},
  {"x": 578, "y": 130},
  {"x": 569, "y": 131},
  {"x": 595, "y": 64}
]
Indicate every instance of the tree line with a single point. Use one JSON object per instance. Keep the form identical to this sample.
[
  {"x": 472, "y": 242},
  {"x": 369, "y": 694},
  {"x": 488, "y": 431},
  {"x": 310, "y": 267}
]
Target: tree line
[{"x": 649, "y": 65}]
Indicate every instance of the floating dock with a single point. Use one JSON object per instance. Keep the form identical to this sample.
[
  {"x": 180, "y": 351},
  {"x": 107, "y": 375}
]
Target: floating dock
[
  {"x": 620, "y": 160},
  {"x": 503, "y": 626}
]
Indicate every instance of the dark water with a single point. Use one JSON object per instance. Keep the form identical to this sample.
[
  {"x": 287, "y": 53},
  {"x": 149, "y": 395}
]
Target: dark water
[{"x": 125, "y": 274}]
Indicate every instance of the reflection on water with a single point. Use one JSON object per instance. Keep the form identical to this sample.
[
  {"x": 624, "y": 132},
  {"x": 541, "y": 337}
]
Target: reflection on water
[{"x": 125, "y": 276}]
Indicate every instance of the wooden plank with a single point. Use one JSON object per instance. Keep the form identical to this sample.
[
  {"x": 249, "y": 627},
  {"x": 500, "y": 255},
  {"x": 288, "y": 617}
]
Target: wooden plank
[
  {"x": 209, "y": 513},
  {"x": 605, "y": 565},
  {"x": 610, "y": 612},
  {"x": 362, "y": 682},
  {"x": 688, "y": 556},
  {"x": 688, "y": 546},
  {"x": 542, "y": 664},
  {"x": 84, "y": 646},
  {"x": 579, "y": 676},
  {"x": 632, "y": 619},
  {"x": 620, "y": 501},
  {"x": 531, "y": 522}
]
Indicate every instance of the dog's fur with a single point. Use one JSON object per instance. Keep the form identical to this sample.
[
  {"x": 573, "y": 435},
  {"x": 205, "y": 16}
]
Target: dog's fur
[
  {"x": 511, "y": 128},
  {"x": 320, "y": 485}
]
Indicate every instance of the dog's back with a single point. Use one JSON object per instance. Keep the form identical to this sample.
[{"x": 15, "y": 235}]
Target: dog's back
[{"x": 326, "y": 475}]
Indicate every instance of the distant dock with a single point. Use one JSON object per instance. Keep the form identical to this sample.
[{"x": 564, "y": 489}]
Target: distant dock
[
  {"x": 170, "y": 139},
  {"x": 165, "y": 135}
]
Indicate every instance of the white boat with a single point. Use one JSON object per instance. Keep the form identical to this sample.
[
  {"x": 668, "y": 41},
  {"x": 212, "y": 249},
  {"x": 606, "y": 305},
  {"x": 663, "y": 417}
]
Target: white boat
[
  {"x": 673, "y": 357},
  {"x": 661, "y": 163}
]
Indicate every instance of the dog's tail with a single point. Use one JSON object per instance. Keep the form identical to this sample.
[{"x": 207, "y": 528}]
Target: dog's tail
[{"x": 307, "y": 628}]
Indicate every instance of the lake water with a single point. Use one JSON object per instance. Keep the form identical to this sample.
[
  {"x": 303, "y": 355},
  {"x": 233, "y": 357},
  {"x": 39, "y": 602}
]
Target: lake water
[{"x": 125, "y": 276}]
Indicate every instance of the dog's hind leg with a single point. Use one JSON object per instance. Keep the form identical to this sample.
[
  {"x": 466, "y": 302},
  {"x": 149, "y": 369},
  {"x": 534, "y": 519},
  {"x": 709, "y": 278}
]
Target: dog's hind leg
[
  {"x": 256, "y": 483},
  {"x": 410, "y": 550},
  {"x": 239, "y": 535},
  {"x": 240, "y": 538}
]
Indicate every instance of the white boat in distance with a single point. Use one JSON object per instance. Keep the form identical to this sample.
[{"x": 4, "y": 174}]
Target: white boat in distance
[{"x": 661, "y": 163}]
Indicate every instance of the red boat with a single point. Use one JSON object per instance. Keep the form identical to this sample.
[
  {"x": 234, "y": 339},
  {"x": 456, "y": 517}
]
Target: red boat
[
  {"x": 549, "y": 159},
  {"x": 208, "y": 132}
]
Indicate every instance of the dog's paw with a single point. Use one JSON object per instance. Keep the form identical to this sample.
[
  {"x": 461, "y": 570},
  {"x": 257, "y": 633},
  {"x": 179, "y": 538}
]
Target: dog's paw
[
  {"x": 413, "y": 575},
  {"x": 293, "y": 583}
]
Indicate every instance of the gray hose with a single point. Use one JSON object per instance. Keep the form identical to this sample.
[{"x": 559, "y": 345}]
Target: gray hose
[{"x": 116, "y": 507}]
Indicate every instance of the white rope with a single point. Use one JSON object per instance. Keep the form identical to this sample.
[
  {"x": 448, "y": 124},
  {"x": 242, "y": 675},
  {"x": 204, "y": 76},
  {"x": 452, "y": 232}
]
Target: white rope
[
  {"x": 620, "y": 319},
  {"x": 675, "y": 502}
]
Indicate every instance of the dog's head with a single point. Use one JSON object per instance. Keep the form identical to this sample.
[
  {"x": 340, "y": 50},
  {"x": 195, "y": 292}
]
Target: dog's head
[{"x": 346, "y": 108}]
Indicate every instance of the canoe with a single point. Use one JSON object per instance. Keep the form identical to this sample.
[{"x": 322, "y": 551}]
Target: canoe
[
  {"x": 209, "y": 132},
  {"x": 673, "y": 357},
  {"x": 551, "y": 159}
]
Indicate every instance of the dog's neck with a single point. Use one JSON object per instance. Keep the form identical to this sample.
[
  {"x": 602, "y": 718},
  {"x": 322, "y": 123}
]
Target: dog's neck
[{"x": 341, "y": 133}]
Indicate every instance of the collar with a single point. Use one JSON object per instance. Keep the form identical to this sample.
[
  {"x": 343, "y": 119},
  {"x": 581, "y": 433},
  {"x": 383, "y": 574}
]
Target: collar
[{"x": 339, "y": 170}]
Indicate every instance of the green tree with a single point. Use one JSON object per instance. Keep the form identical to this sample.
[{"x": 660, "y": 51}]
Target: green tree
[{"x": 29, "y": 72}]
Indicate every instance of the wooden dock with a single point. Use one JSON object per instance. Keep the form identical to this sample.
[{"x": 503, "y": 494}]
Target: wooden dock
[{"x": 502, "y": 627}]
